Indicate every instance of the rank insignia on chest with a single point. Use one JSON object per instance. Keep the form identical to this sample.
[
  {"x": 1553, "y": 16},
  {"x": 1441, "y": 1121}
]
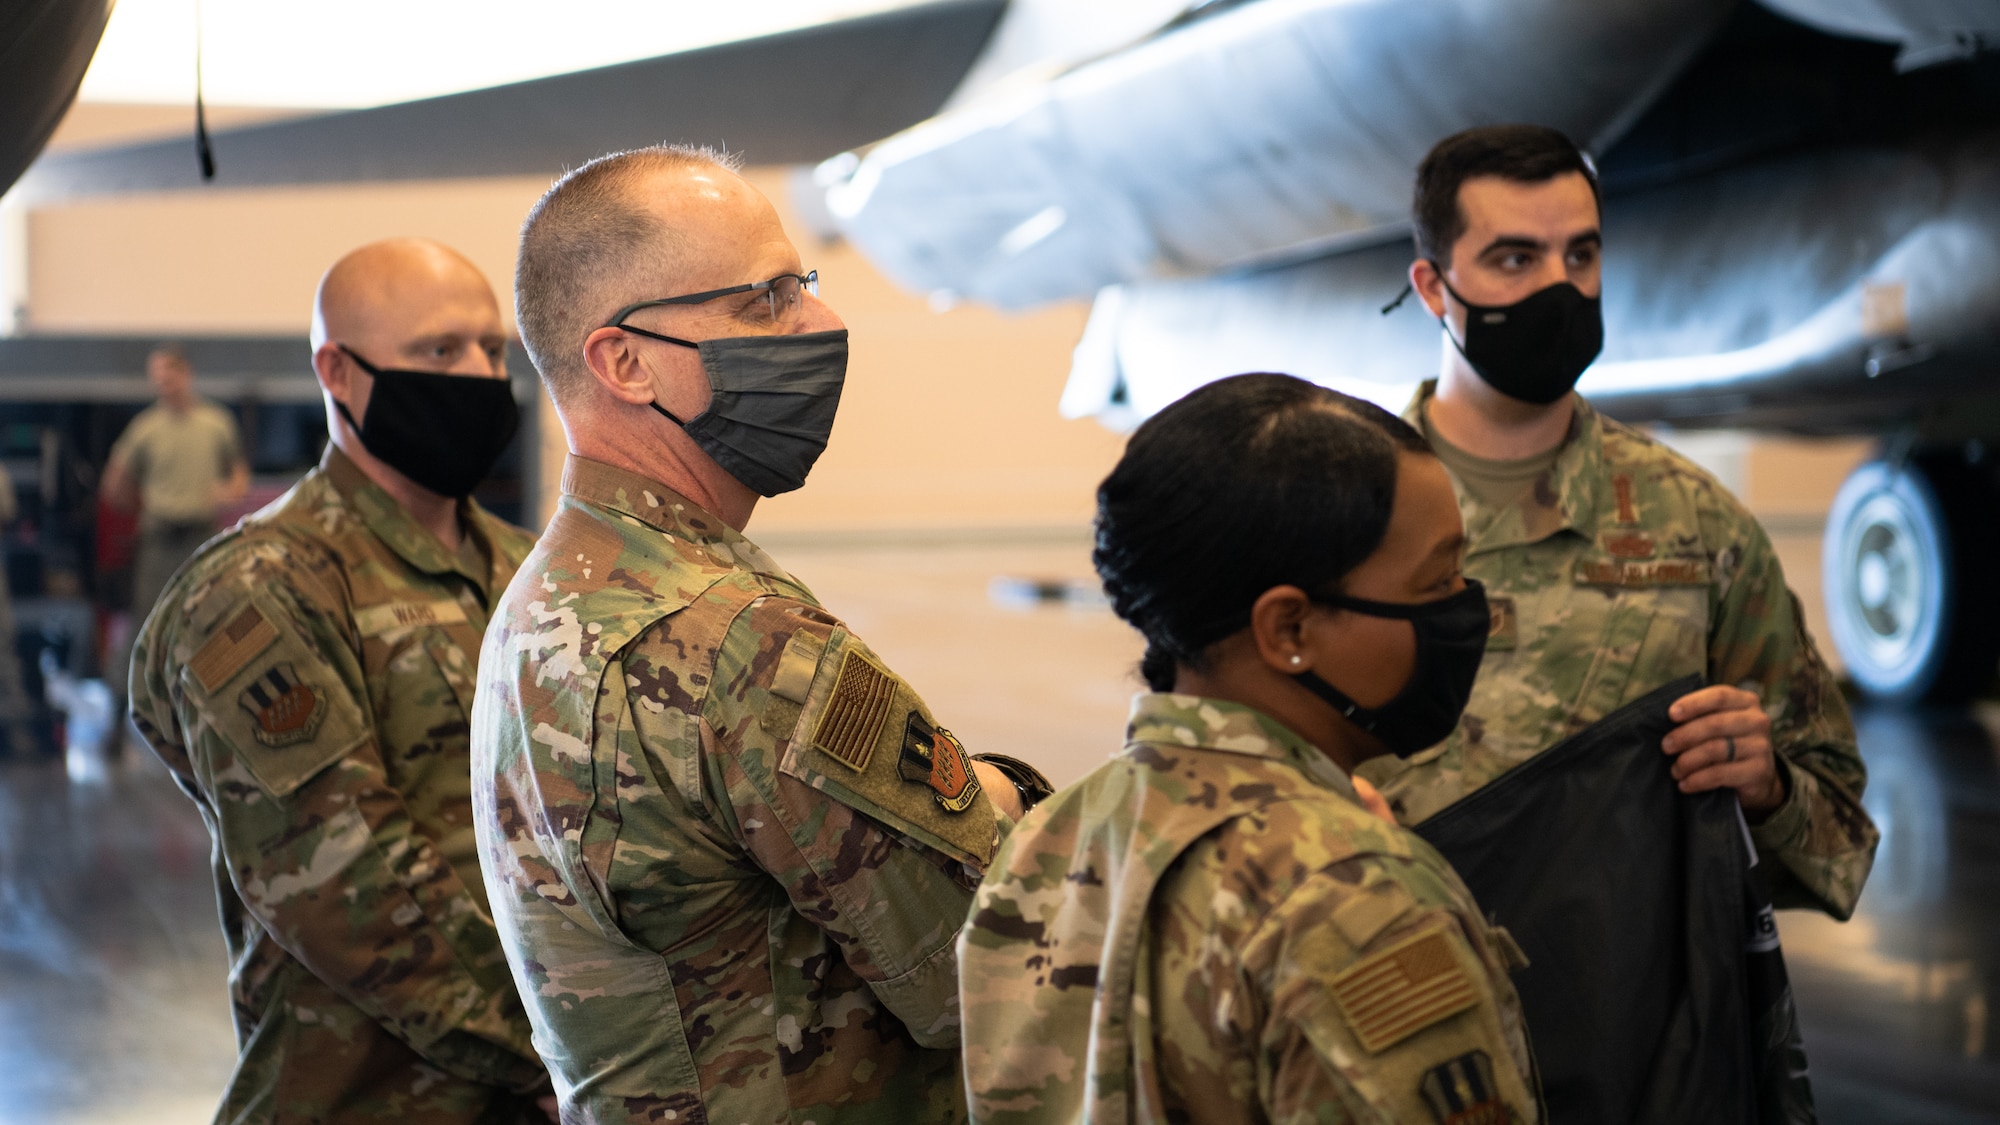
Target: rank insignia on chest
[
  {"x": 1461, "y": 1092},
  {"x": 288, "y": 711},
  {"x": 1635, "y": 545},
  {"x": 934, "y": 756}
]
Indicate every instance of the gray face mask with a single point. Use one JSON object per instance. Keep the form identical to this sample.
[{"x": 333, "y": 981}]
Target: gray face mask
[{"x": 772, "y": 404}]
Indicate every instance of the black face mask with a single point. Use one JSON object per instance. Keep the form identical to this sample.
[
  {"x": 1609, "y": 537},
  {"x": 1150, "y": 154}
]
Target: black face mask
[
  {"x": 771, "y": 403},
  {"x": 442, "y": 431},
  {"x": 1451, "y": 641},
  {"x": 1536, "y": 348}
]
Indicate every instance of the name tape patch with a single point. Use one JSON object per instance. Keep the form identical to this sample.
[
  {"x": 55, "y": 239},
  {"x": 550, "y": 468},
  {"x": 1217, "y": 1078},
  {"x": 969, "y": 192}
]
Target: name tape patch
[
  {"x": 1634, "y": 572},
  {"x": 403, "y": 615},
  {"x": 1400, "y": 991},
  {"x": 862, "y": 693},
  {"x": 233, "y": 646}
]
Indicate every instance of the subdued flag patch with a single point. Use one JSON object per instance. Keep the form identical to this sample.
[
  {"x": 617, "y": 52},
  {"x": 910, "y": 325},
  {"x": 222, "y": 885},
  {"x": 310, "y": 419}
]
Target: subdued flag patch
[
  {"x": 233, "y": 646},
  {"x": 1462, "y": 1092},
  {"x": 1400, "y": 991},
  {"x": 862, "y": 693}
]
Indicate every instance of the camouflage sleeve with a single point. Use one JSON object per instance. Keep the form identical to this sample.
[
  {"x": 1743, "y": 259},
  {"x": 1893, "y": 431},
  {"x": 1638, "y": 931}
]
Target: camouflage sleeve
[
  {"x": 269, "y": 709},
  {"x": 838, "y": 782},
  {"x": 1819, "y": 844},
  {"x": 1391, "y": 1005}
]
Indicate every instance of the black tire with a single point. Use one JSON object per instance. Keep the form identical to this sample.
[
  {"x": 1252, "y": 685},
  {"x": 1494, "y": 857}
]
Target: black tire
[{"x": 1908, "y": 563}]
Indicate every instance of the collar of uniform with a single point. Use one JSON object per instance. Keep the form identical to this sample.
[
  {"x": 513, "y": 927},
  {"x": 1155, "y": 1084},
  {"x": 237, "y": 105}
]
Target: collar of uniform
[
  {"x": 645, "y": 500},
  {"x": 661, "y": 508},
  {"x": 1173, "y": 719},
  {"x": 1565, "y": 500},
  {"x": 391, "y": 523}
]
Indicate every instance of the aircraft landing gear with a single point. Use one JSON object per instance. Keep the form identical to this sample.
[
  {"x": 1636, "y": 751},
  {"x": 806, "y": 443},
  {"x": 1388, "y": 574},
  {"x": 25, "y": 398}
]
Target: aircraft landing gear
[{"x": 1912, "y": 585}]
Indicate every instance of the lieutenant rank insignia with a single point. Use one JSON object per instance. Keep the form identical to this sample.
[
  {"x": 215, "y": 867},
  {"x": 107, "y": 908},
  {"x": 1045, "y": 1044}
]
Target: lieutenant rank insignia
[
  {"x": 934, "y": 756},
  {"x": 287, "y": 710}
]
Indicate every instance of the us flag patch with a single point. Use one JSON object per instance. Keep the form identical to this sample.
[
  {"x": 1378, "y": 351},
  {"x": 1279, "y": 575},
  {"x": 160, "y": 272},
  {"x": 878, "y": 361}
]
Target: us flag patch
[
  {"x": 1402, "y": 990},
  {"x": 854, "y": 715}
]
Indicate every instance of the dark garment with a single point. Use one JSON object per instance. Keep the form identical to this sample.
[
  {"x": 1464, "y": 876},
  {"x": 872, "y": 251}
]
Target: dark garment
[{"x": 1655, "y": 991}]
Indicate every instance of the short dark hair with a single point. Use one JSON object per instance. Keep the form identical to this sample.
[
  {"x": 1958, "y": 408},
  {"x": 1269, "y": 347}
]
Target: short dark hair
[
  {"x": 1250, "y": 482},
  {"x": 581, "y": 244},
  {"x": 1529, "y": 154},
  {"x": 171, "y": 350}
]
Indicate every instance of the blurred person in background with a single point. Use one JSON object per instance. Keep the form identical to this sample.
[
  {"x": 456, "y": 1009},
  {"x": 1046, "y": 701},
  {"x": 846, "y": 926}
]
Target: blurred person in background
[
  {"x": 308, "y": 678},
  {"x": 180, "y": 463}
]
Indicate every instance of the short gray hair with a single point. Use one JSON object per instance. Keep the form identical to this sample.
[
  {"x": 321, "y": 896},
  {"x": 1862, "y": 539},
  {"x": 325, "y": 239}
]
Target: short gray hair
[{"x": 584, "y": 239}]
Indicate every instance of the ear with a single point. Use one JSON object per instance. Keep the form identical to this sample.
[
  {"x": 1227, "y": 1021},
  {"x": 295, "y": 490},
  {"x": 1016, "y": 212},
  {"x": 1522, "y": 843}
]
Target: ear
[
  {"x": 1278, "y": 626},
  {"x": 334, "y": 370},
  {"x": 614, "y": 363},
  {"x": 1429, "y": 285}
]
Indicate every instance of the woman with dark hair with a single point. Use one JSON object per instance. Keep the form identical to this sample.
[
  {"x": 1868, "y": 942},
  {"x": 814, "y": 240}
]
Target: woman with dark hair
[{"x": 1212, "y": 927}]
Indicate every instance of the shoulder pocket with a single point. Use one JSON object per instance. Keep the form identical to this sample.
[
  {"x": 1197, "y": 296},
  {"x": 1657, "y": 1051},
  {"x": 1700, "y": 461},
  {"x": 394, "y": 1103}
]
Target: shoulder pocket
[
  {"x": 275, "y": 702},
  {"x": 865, "y": 739}
]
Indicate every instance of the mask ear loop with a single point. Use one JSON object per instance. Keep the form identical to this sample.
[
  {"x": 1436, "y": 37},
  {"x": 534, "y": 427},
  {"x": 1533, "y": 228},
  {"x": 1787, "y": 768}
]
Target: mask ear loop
[{"x": 663, "y": 411}]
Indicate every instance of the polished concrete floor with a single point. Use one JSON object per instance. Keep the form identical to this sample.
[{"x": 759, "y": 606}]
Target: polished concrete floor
[{"x": 112, "y": 1006}]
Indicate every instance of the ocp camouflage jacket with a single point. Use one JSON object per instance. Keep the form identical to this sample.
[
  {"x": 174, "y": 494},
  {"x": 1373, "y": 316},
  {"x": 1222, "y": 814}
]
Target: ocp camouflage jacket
[
  {"x": 1211, "y": 928},
  {"x": 1624, "y": 569},
  {"x": 727, "y": 848},
  {"x": 308, "y": 678}
]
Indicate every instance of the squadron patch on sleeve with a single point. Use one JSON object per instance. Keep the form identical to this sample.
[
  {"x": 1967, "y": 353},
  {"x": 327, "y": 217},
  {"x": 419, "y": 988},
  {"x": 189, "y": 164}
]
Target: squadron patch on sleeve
[
  {"x": 935, "y": 757},
  {"x": 1462, "y": 1092},
  {"x": 233, "y": 646},
  {"x": 1405, "y": 988},
  {"x": 862, "y": 694},
  {"x": 286, "y": 709}
]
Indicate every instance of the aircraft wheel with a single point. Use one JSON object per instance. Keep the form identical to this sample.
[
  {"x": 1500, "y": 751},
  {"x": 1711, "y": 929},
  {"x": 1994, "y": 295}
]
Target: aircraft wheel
[{"x": 1908, "y": 562}]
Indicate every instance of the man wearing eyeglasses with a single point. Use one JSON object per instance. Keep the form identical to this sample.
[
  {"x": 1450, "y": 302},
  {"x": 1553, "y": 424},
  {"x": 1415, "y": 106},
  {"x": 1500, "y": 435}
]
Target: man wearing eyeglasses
[{"x": 727, "y": 848}]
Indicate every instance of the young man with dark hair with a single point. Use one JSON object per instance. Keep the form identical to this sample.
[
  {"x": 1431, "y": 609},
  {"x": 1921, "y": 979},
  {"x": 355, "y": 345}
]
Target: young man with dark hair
[{"x": 1614, "y": 566}]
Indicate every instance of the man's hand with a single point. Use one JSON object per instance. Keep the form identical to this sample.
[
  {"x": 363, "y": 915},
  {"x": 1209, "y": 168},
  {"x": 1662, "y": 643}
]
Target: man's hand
[
  {"x": 1000, "y": 787},
  {"x": 1724, "y": 742}
]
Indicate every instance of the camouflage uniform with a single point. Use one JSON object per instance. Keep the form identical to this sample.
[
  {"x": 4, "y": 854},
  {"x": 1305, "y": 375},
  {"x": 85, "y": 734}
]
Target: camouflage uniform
[
  {"x": 1622, "y": 570},
  {"x": 308, "y": 680},
  {"x": 727, "y": 849},
  {"x": 1211, "y": 928}
]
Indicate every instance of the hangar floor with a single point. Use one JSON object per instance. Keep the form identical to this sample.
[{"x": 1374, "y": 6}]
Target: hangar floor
[{"x": 111, "y": 965}]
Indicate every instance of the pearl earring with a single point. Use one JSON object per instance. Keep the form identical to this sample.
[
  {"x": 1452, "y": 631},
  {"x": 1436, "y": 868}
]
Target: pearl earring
[{"x": 1297, "y": 660}]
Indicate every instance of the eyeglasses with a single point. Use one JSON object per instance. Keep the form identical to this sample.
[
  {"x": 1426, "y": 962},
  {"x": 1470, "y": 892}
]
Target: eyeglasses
[{"x": 785, "y": 294}]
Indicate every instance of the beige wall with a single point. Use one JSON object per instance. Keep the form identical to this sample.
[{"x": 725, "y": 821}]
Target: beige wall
[{"x": 948, "y": 421}]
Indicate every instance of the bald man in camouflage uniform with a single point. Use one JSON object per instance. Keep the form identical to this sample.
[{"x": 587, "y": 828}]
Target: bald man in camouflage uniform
[
  {"x": 728, "y": 849},
  {"x": 1213, "y": 921},
  {"x": 308, "y": 679},
  {"x": 1614, "y": 565}
]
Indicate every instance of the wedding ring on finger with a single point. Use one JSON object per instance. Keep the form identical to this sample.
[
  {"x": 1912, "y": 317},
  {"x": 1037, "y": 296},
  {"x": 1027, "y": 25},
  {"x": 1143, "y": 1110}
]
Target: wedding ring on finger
[{"x": 1731, "y": 740}]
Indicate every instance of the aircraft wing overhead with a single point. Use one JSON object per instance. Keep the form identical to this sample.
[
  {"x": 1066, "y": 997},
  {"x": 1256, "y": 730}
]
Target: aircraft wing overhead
[
  {"x": 45, "y": 46},
  {"x": 1931, "y": 31},
  {"x": 1267, "y": 130},
  {"x": 795, "y": 97}
]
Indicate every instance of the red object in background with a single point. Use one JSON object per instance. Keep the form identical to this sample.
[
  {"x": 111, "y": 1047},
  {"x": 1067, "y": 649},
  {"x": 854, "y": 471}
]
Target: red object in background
[
  {"x": 260, "y": 493},
  {"x": 117, "y": 537}
]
